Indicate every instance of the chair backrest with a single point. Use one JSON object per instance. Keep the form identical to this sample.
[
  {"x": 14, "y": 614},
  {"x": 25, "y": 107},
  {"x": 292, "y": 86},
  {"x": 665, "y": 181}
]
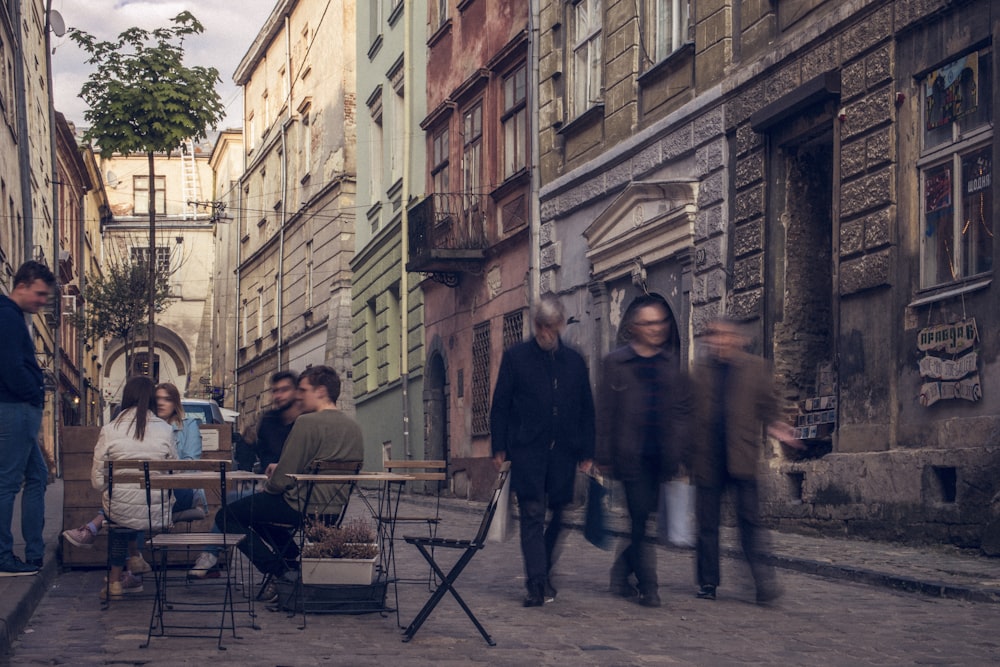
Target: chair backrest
[
  {"x": 341, "y": 491},
  {"x": 432, "y": 471},
  {"x": 153, "y": 472},
  {"x": 491, "y": 508}
]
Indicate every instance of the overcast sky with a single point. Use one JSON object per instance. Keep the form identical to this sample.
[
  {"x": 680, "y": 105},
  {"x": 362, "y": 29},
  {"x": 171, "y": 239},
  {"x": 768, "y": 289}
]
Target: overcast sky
[{"x": 230, "y": 27}]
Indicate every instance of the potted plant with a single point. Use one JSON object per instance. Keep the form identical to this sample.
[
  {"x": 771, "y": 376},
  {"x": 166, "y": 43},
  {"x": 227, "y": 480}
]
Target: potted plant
[{"x": 338, "y": 556}]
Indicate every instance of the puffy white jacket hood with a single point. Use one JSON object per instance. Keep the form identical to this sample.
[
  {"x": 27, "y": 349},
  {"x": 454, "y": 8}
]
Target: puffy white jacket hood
[{"x": 116, "y": 441}]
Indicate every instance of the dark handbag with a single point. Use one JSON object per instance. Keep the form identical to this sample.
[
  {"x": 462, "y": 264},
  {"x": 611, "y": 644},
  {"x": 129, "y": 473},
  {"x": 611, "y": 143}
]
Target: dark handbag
[{"x": 593, "y": 527}]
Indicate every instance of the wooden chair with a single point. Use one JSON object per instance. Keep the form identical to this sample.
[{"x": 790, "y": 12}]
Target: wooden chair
[{"x": 469, "y": 548}]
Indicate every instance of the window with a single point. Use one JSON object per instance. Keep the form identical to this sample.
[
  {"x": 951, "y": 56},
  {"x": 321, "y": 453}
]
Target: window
[
  {"x": 515, "y": 122},
  {"x": 481, "y": 379},
  {"x": 956, "y": 171},
  {"x": 439, "y": 170},
  {"x": 586, "y": 68},
  {"x": 140, "y": 194},
  {"x": 251, "y": 132},
  {"x": 666, "y": 27},
  {"x": 513, "y": 329},
  {"x": 141, "y": 365},
  {"x": 282, "y": 88},
  {"x": 375, "y": 21},
  {"x": 260, "y": 312},
  {"x": 375, "y": 168},
  {"x": 472, "y": 154},
  {"x": 439, "y": 13},
  {"x": 140, "y": 255},
  {"x": 309, "y": 275},
  {"x": 397, "y": 137},
  {"x": 306, "y": 140},
  {"x": 393, "y": 343},
  {"x": 243, "y": 320},
  {"x": 267, "y": 114},
  {"x": 371, "y": 339}
]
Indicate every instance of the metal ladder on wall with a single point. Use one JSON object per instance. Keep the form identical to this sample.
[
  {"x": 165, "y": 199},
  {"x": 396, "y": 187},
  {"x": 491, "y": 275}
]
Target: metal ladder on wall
[{"x": 191, "y": 186}]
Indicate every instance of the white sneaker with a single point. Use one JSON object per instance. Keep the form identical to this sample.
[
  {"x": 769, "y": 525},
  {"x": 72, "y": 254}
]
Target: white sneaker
[{"x": 206, "y": 561}]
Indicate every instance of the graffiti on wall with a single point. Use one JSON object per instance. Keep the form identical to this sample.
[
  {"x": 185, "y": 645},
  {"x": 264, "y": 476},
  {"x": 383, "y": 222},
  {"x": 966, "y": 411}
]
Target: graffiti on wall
[{"x": 950, "y": 363}]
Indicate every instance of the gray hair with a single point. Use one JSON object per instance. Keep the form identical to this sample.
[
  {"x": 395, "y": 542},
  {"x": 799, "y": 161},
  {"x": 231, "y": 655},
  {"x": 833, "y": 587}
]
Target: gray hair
[{"x": 549, "y": 312}]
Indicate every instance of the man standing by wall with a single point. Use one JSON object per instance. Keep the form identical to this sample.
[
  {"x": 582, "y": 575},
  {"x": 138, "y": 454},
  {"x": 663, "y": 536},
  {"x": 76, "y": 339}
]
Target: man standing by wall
[
  {"x": 22, "y": 395},
  {"x": 735, "y": 398},
  {"x": 542, "y": 419}
]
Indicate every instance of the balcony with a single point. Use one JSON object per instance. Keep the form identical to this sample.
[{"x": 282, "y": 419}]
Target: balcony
[{"x": 447, "y": 236}]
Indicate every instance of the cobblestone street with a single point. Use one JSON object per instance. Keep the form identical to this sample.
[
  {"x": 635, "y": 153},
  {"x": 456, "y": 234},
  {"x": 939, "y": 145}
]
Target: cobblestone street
[{"x": 818, "y": 622}]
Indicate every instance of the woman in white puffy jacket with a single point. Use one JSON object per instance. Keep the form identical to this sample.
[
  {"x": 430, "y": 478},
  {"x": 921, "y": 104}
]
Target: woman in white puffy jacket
[{"x": 136, "y": 433}]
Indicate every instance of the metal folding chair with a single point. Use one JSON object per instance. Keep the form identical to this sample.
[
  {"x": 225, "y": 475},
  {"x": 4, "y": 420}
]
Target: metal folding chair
[
  {"x": 447, "y": 581},
  {"x": 162, "y": 544},
  {"x": 433, "y": 474}
]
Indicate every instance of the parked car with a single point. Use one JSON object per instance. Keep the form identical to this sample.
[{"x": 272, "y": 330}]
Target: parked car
[{"x": 205, "y": 410}]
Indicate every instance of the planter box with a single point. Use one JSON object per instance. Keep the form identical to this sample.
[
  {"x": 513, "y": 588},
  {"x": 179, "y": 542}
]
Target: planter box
[{"x": 338, "y": 571}]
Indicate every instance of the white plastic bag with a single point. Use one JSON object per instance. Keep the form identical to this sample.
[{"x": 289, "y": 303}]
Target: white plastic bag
[
  {"x": 503, "y": 521},
  {"x": 675, "y": 520}
]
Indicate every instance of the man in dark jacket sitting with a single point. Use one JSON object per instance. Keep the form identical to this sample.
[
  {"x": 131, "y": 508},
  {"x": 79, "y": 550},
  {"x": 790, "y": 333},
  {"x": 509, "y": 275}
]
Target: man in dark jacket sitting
[{"x": 542, "y": 419}]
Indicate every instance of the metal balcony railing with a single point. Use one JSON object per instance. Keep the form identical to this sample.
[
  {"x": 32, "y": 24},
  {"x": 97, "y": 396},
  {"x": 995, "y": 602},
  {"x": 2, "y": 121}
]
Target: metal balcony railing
[{"x": 447, "y": 234}]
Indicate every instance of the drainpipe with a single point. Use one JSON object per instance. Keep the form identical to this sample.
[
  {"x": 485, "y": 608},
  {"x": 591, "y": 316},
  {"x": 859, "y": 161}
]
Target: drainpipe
[
  {"x": 239, "y": 301},
  {"x": 80, "y": 239},
  {"x": 23, "y": 144},
  {"x": 281, "y": 237},
  {"x": 534, "y": 207},
  {"x": 404, "y": 236},
  {"x": 278, "y": 298},
  {"x": 57, "y": 329}
]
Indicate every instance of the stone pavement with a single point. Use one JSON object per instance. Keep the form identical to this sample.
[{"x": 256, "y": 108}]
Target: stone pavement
[{"x": 822, "y": 620}]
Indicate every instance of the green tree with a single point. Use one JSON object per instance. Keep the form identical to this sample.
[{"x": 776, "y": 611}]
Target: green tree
[
  {"x": 143, "y": 99},
  {"x": 115, "y": 304}
]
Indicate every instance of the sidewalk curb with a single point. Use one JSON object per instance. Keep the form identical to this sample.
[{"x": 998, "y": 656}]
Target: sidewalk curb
[
  {"x": 20, "y": 595},
  {"x": 851, "y": 573}
]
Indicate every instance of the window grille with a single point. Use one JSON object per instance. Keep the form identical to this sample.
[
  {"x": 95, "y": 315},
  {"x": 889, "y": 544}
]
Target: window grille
[
  {"x": 481, "y": 379},
  {"x": 513, "y": 329}
]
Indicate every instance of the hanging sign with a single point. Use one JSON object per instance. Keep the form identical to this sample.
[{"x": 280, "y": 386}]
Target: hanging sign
[{"x": 954, "y": 376}]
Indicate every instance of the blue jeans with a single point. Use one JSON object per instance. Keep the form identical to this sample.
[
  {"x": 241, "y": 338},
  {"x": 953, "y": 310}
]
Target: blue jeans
[{"x": 22, "y": 464}]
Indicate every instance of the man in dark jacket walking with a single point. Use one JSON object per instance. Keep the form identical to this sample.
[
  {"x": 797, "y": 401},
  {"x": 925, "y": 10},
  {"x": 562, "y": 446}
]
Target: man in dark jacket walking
[
  {"x": 542, "y": 420},
  {"x": 22, "y": 395},
  {"x": 735, "y": 400}
]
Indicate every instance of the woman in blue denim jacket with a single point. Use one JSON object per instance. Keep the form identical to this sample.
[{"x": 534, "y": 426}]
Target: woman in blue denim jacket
[{"x": 189, "y": 504}]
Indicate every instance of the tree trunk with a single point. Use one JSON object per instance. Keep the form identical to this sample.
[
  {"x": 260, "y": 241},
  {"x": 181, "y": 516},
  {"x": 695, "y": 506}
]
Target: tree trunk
[{"x": 152, "y": 266}]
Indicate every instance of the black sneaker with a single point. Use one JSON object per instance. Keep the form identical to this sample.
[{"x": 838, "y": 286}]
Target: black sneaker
[
  {"x": 706, "y": 592},
  {"x": 37, "y": 562},
  {"x": 536, "y": 594},
  {"x": 650, "y": 599},
  {"x": 12, "y": 566}
]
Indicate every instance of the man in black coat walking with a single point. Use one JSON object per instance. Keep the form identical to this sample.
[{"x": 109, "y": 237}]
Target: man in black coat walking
[{"x": 542, "y": 420}]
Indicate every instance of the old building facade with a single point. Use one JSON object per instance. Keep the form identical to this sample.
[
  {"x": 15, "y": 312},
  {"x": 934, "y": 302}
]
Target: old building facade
[
  {"x": 387, "y": 300},
  {"x": 184, "y": 250},
  {"x": 27, "y": 171},
  {"x": 226, "y": 162},
  {"x": 297, "y": 203},
  {"x": 821, "y": 172},
  {"x": 81, "y": 209},
  {"x": 469, "y": 237}
]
